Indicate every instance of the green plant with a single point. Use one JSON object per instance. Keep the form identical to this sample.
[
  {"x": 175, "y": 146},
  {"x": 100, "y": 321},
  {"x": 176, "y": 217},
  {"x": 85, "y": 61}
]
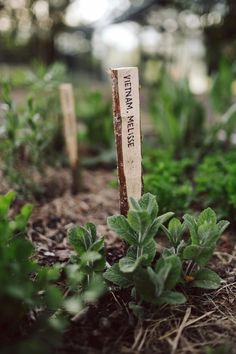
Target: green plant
[
  {"x": 196, "y": 252},
  {"x": 27, "y": 293},
  {"x": 152, "y": 285},
  {"x": 26, "y": 137},
  {"x": 169, "y": 179},
  {"x": 95, "y": 112},
  {"x": 177, "y": 116},
  {"x": 215, "y": 183},
  {"x": 32, "y": 306},
  {"x": 221, "y": 94},
  {"x": 84, "y": 274},
  {"x": 183, "y": 262}
]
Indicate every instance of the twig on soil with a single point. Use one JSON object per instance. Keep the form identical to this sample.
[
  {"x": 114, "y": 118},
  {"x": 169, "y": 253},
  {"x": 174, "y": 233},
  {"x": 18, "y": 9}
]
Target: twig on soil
[{"x": 180, "y": 330}]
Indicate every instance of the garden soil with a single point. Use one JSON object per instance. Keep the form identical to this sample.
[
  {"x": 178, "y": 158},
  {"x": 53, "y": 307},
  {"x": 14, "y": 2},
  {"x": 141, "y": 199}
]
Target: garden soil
[{"x": 207, "y": 320}]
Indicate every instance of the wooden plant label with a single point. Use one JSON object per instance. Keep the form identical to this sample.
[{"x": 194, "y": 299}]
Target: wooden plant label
[
  {"x": 70, "y": 130},
  {"x": 127, "y": 126}
]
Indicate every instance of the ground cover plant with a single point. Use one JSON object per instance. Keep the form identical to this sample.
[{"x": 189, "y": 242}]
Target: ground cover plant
[{"x": 33, "y": 307}]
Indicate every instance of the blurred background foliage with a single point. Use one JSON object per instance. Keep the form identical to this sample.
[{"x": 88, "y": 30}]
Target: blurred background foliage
[{"x": 185, "y": 51}]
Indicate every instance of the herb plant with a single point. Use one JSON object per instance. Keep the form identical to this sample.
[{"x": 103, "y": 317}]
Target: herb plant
[
  {"x": 192, "y": 244},
  {"x": 134, "y": 270},
  {"x": 84, "y": 273},
  {"x": 196, "y": 252}
]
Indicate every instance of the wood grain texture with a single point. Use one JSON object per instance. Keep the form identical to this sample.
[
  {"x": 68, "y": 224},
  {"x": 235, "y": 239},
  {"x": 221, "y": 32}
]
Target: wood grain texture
[
  {"x": 127, "y": 127},
  {"x": 70, "y": 132}
]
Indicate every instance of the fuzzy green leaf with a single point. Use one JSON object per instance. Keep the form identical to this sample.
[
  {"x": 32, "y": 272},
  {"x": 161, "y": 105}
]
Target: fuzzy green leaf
[
  {"x": 144, "y": 286},
  {"x": 176, "y": 230},
  {"x": 174, "y": 266},
  {"x": 207, "y": 279},
  {"x": 114, "y": 275},
  {"x": 129, "y": 264},
  {"x": 148, "y": 202},
  {"x": 191, "y": 224},
  {"x": 222, "y": 225},
  {"x": 201, "y": 255},
  {"x": 139, "y": 220},
  {"x": 148, "y": 250},
  {"x": 207, "y": 216},
  {"x": 164, "y": 217},
  {"x": 171, "y": 298},
  {"x": 120, "y": 225}
]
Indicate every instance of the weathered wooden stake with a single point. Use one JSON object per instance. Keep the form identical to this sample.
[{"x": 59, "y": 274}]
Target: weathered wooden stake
[
  {"x": 70, "y": 131},
  {"x": 127, "y": 126}
]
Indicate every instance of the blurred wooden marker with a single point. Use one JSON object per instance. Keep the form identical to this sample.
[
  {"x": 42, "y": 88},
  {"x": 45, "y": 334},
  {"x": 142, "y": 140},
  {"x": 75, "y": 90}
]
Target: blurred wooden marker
[
  {"x": 127, "y": 126},
  {"x": 70, "y": 131}
]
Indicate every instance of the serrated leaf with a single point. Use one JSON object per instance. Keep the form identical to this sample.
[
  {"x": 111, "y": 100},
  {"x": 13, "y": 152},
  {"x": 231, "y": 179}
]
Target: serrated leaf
[
  {"x": 207, "y": 279},
  {"x": 120, "y": 225},
  {"x": 114, "y": 275},
  {"x": 77, "y": 239},
  {"x": 90, "y": 257},
  {"x": 98, "y": 245},
  {"x": 129, "y": 264},
  {"x": 148, "y": 250}
]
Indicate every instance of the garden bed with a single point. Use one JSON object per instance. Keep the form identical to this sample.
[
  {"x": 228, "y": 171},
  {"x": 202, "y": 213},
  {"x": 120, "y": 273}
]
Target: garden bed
[{"x": 208, "y": 319}]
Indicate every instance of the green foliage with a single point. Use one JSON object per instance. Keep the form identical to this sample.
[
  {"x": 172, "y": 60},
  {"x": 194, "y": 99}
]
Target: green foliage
[
  {"x": 95, "y": 112},
  {"x": 29, "y": 299},
  {"x": 215, "y": 182},
  {"x": 26, "y": 288},
  {"x": 186, "y": 184},
  {"x": 168, "y": 179},
  {"x": 221, "y": 94},
  {"x": 21, "y": 139},
  {"x": 84, "y": 274},
  {"x": 153, "y": 285},
  {"x": 192, "y": 244},
  {"x": 178, "y": 118},
  {"x": 197, "y": 250},
  {"x": 27, "y": 135}
]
